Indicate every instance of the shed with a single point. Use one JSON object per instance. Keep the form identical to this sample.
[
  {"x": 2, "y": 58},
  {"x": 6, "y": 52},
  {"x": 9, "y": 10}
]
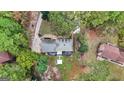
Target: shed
[{"x": 111, "y": 53}]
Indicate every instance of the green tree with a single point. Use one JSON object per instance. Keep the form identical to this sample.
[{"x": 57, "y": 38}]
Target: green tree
[
  {"x": 12, "y": 36},
  {"x": 62, "y": 22},
  {"x": 83, "y": 48},
  {"x": 13, "y": 39},
  {"x": 106, "y": 21},
  {"x": 121, "y": 38},
  {"x": 45, "y": 15},
  {"x": 26, "y": 59},
  {"x": 83, "y": 43},
  {"x": 5, "y": 14},
  {"x": 12, "y": 72},
  {"x": 41, "y": 64}
]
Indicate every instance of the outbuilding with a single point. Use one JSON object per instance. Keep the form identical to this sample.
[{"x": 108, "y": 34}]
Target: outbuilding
[{"x": 111, "y": 53}]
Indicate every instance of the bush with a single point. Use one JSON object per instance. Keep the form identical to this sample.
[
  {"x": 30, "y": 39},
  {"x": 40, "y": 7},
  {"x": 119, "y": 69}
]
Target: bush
[
  {"x": 12, "y": 72},
  {"x": 83, "y": 43},
  {"x": 41, "y": 64},
  {"x": 121, "y": 38}
]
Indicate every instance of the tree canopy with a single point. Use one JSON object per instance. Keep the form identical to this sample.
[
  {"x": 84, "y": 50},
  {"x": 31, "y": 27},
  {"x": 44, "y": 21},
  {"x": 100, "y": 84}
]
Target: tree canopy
[
  {"x": 13, "y": 39},
  {"x": 12, "y": 72},
  {"x": 106, "y": 20},
  {"x": 12, "y": 36},
  {"x": 63, "y": 22}
]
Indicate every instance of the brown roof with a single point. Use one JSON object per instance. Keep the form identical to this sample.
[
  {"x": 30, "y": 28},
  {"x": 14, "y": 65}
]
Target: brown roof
[
  {"x": 49, "y": 36},
  {"x": 4, "y": 56},
  {"x": 112, "y": 52}
]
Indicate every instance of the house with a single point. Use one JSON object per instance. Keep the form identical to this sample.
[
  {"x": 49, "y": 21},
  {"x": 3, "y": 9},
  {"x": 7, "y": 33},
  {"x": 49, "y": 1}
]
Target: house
[
  {"x": 111, "y": 53},
  {"x": 56, "y": 46},
  {"x": 4, "y": 57}
]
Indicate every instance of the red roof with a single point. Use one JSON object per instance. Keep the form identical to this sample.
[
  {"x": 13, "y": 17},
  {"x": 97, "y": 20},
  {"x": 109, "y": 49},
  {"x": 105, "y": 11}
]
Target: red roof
[
  {"x": 111, "y": 52},
  {"x": 4, "y": 56}
]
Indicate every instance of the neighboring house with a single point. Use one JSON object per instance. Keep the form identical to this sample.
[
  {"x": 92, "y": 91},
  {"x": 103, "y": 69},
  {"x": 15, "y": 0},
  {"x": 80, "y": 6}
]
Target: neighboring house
[
  {"x": 56, "y": 46},
  {"x": 111, "y": 53},
  {"x": 4, "y": 57}
]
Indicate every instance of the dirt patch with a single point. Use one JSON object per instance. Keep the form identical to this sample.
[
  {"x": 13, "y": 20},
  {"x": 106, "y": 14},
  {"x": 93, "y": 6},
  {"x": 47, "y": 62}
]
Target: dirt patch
[
  {"x": 77, "y": 70},
  {"x": 83, "y": 57},
  {"x": 52, "y": 73},
  {"x": 92, "y": 35}
]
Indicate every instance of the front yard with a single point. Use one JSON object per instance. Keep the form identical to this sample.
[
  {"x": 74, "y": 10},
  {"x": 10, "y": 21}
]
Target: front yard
[{"x": 71, "y": 68}]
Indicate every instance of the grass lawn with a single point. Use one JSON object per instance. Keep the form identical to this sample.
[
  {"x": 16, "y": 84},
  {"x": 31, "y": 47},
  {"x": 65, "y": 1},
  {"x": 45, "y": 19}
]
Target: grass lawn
[
  {"x": 70, "y": 69},
  {"x": 116, "y": 72},
  {"x": 45, "y": 28},
  {"x": 65, "y": 68}
]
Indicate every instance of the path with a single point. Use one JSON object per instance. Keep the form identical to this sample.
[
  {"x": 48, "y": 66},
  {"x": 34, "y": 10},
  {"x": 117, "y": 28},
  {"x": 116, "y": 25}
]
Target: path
[
  {"x": 36, "y": 41},
  {"x": 93, "y": 40},
  {"x": 77, "y": 70}
]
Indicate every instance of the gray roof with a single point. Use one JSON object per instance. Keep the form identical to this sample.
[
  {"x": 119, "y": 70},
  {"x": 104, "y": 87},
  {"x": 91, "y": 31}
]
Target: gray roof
[{"x": 54, "y": 45}]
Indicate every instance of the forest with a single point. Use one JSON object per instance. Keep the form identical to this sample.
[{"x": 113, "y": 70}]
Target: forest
[{"x": 13, "y": 39}]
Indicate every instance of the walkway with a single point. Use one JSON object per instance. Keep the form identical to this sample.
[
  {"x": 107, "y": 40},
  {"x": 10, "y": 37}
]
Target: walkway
[{"x": 36, "y": 41}]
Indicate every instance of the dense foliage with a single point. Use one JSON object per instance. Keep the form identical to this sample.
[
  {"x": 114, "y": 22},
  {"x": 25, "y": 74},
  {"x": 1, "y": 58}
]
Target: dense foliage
[
  {"x": 41, "y": 64},
  {"x": 105, "y": 20},
  {"x": 13, "y": 39},
  {"x": 108, "y": 22},
  {"x": 45, "y": 15},
  {"x": 26, "y": 59},
  {"x": 63, "y": 22},
  {"x": 5, "y": 14},
  {"x": 12, "y": 72},
  {"x": 83, "y": 43},
  {"x": 121, "y": 38}
]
